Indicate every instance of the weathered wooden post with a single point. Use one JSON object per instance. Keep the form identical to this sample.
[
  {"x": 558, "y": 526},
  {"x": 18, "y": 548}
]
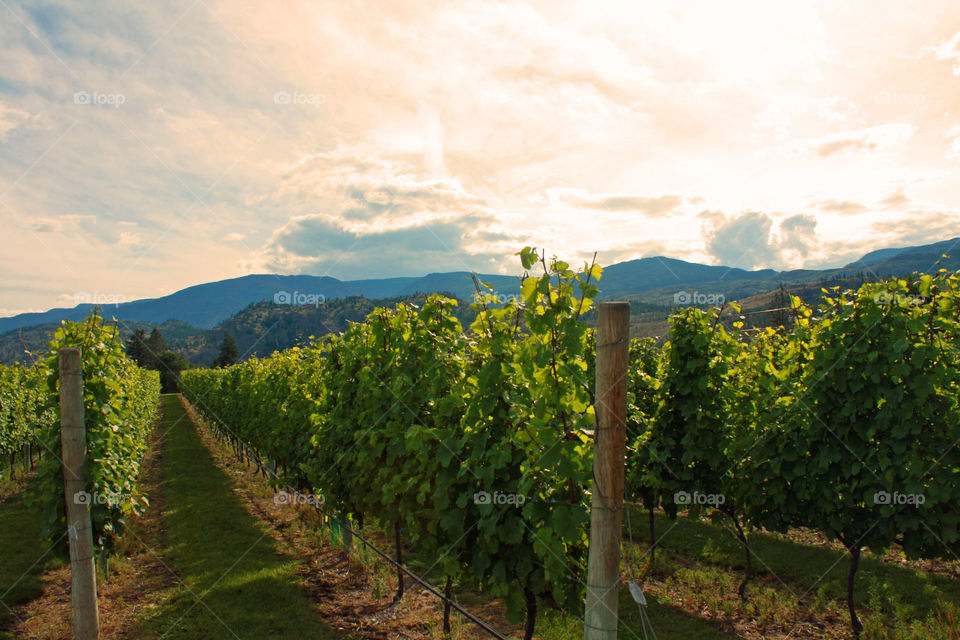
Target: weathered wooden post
[
  {"x": 73, "y": 444},
  {"x": 606, "y": 512}
]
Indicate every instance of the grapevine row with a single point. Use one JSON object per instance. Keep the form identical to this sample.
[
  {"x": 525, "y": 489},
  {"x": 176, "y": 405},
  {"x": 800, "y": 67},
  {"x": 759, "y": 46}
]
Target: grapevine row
[
  {"x": 412, "y": 420},
  {"x": 23, "y": 406},
  {"x": 847, "y": 422},
  {"x": 476, "y": 444},
  {"x": 120, "y": 407}
]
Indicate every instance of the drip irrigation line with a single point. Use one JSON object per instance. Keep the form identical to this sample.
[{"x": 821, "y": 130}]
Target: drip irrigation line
[
  {"x": 750, "y": 313},
  {"x": 646, "y": 624},
  {"x": 426, "y": 585}
]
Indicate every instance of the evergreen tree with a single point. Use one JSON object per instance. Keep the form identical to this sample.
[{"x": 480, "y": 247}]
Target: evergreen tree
[
  {"x": 170, "y": 364},
  {"x": 156, "y": 344},
  {"x": 228, "y": 352},
  {"x": 136, "y": 347}
]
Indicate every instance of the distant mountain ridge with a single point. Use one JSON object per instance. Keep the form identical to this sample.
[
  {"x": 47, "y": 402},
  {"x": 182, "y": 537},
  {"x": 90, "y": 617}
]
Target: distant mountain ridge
[
  {"x": 894, "y": 261},
  {"x": 207, "y": 305}
]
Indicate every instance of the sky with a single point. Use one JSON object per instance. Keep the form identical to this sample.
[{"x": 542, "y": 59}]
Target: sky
[{"x": 146, "y": 147}]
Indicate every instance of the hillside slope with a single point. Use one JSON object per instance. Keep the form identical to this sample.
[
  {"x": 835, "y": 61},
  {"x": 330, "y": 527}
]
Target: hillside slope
[{"x": 654, "y": 281}]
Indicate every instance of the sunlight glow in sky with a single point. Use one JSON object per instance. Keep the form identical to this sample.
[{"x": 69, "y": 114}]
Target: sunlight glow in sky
[{"x": 145, "y": 148}]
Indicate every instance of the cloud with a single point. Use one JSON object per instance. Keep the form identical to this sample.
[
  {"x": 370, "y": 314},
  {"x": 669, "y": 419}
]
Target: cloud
[
  {"x": 360, "y": 212},
  {"x": 438, "y": 116},
  {"x": 798, "y": 238},
  {"x": 397, "y": 198},
  {"x": 871, "y": 138},
  {"x": 954, "y": 152},
  {"x": 128, "y": 240},
  {"x": 919, "y": 227},
  {"x": 829, "y": 148},
  {"x": 840, "y": 206},
  {"x": 321, "y": 244},
  {"x": 742, "y": 242},
  {"x": 749, "y": 242},
  {"x": 10, "y": 119},
  {"x": 947, "y": 50},
  {"x": 44, "y": 225},
  {"x": 5, "y": 312},
  {"x": 119, "y": 234},
  {"x": 896, "y": 199},
  {"x": 580, "y": 198},
  {"x": 633, "y": 252},
  {"x": 659, "y": 206},
  {"x": 73, "y": 222}
]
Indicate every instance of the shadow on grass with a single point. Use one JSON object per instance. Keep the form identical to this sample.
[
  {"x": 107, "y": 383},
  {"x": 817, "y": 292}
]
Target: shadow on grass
[
  {"x": 236, "y": 582},
  {"x": 24, "y": 556},
  {"x": 668, "y": 622},
  {"x": 807, "y": 569}
]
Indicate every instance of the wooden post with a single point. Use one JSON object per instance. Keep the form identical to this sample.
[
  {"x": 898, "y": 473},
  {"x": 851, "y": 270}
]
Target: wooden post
[
  {"x": 606, "y": 512},
  {"x": 73, "y": 444}
]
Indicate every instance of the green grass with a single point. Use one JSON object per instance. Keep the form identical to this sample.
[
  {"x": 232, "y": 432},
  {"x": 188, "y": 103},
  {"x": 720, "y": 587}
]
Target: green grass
[
  {"x": 811, "y": 570},
  {"x": 225, "y": 557},
  {"x": 669, "y": 623},
  {"x": 23, "y": 555}
]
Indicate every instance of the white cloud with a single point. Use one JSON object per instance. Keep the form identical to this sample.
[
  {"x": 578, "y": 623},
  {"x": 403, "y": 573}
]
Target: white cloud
[
  {"x": 128, "y": 239},
  {"x": 498, "y": 124},
  {"x": 798, "y": 239},
  {"x": 749, "y": 241},
  {"x": 743, "y": 242},
  {"x": 947, "y": 50},
  {"x": 954, "y": 152},
  {"x": 10, "y": 119}
]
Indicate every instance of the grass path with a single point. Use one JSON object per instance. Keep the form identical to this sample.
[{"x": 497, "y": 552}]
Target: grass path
[
  {"x": 24, "y": 555},
  {"x": 234, "y": 581}
]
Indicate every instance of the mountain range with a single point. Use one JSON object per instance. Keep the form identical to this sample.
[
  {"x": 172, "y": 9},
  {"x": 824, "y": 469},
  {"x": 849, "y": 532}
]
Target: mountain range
[{"x": 197, "y": 315}]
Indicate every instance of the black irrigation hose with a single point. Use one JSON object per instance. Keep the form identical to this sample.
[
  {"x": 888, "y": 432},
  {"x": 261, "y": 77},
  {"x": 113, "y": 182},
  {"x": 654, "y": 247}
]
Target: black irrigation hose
[
  {"x": 426, "y": 585},
  {"x": 399, "y": 566}
]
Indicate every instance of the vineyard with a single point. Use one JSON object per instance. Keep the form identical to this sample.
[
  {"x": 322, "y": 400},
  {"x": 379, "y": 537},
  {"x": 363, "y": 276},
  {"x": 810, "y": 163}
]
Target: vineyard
[{"x": 474, "y": 445}]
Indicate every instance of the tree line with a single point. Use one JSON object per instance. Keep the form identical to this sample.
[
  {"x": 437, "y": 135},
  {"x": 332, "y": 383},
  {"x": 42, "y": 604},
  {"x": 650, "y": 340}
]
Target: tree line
[{"x": 151, "y": 352}]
